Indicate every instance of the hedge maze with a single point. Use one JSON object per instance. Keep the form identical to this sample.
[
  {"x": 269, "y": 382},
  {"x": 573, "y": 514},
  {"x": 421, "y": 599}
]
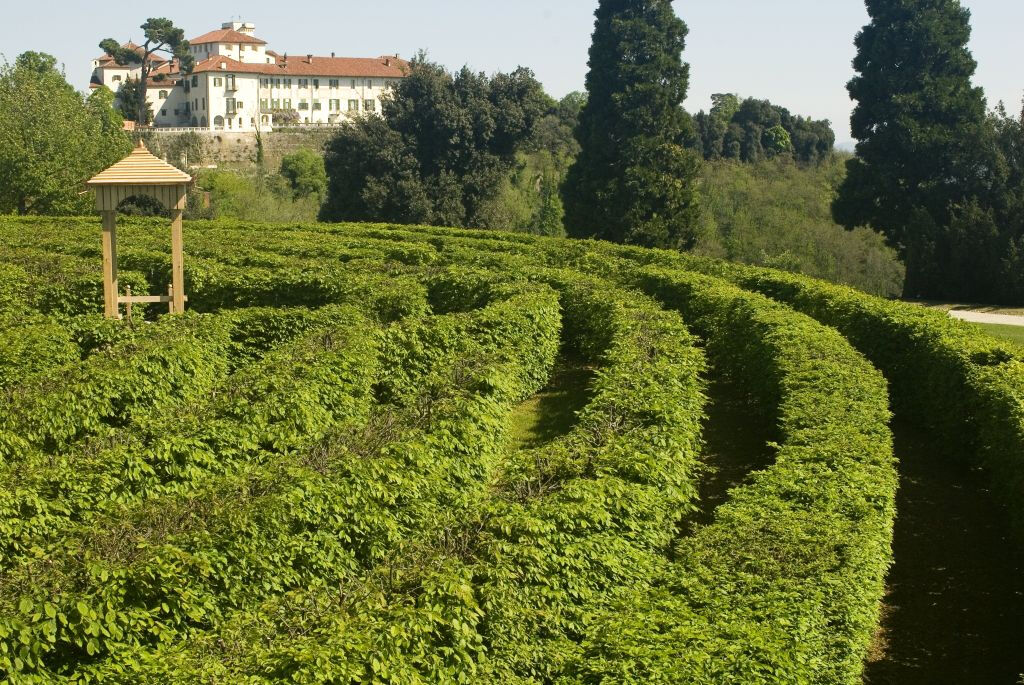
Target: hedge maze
[{"x": 308, "y": 477}]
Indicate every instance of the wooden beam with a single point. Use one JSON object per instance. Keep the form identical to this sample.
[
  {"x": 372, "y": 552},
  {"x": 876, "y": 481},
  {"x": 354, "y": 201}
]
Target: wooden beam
[
  {"x": 110, "y": 289},
  {"x": 177, "y": 262},
  {"x": 149, "y": 299}
]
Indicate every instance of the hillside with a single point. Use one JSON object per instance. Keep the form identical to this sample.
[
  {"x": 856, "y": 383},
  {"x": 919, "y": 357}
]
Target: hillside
[{"x": 331, "y": 470}]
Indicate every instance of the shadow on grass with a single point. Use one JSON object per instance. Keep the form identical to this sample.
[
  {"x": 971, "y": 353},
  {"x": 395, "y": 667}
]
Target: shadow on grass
[
  {"x": 736, "y": 444},
  {"x": 954, "y": 612},
  {"x": 551, "y": 413}
]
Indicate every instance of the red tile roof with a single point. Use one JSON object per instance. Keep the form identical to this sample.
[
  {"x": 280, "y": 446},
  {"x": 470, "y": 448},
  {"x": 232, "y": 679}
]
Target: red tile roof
[
  {"x": 359, "y": 67},
  {"x": 226, "y": 36}
]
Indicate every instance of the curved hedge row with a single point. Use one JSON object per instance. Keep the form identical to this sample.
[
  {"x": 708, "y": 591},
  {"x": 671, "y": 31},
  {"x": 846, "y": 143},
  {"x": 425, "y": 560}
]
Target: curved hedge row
[
  {"x": 945, "y": 376},
  {"x": 785, "y": 585}
]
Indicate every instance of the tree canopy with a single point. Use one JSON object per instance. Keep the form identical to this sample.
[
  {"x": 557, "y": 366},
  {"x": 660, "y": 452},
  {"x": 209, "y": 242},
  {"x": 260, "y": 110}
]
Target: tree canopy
[
  {"x": 305, "y": 173},
  {"x": 751, "y": 130},
  {"x": 441, "y": 151},
  {"x": 162, "y": 38},
  {"x": 51, "y": 138},
  {"x": 634, "y": 180},
  {"x": 924, "y": 147}
]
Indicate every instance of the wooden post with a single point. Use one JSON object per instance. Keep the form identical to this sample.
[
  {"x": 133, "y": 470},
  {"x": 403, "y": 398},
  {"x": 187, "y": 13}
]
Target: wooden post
[
  {"x": 177, "y": 260},
  {"x": 110, "y": 289},
  {"x": 170, "y": 299},
  {"x": 128, "y": 303}
]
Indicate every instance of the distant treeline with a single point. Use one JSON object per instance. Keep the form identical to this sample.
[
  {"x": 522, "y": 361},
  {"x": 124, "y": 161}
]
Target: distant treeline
[{"x": 752, "y": 130}]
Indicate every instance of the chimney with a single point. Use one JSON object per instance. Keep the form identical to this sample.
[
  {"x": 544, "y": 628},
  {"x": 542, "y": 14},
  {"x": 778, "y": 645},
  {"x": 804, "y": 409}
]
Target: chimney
[
  {"x": 387, "y": 61},
  {"x": 223, "y": 66},
  {"x": 309, "y": 58},
  {"x": 332, "y": 55}
]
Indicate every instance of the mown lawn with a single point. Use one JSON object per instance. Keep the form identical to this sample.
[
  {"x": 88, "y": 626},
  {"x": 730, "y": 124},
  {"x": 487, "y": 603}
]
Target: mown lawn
[{"x": 1014, "y": 333}]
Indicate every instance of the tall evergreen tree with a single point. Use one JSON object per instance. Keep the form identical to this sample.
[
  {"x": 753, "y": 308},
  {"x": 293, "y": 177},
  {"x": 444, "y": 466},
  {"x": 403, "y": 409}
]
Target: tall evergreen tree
[
  {"x": 924, "y": 146},
  {"x": 634, "y": 181}
]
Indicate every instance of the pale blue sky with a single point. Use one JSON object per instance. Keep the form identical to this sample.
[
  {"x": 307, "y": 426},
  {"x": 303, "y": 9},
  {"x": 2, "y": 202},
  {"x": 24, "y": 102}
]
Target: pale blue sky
[{"x": 795, "y": 52}]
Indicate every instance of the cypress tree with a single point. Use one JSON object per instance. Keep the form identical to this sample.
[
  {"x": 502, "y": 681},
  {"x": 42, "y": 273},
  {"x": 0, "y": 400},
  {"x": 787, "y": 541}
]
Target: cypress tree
[
  {"x": 634, "y": 181},
  {"x": 924, "y": 147}
]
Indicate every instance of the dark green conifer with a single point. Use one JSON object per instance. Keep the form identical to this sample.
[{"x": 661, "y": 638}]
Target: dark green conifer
[
  {"x": 634, "y": 181},
  {"x": 924, "y": 146}
]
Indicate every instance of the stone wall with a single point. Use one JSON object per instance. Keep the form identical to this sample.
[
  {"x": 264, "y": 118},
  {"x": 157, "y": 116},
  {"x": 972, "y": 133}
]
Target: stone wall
[{"x": 232, "y": 148}]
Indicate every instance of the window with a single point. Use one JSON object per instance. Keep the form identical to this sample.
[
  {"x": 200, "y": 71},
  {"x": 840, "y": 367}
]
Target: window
[
  {"x": 265, "y": 82},
  {"x": 353, "y": 84},
  {"x": 204, "y": 103},
  {"x": 230, "y": 105},
  {"x": 195, "y": 81},
  {"x": 353, "y": 105},
  {"x": 277, "y": 83},
  {"x": 195, "y": 104},
  {"x": 238, "y": 104},
  {"x": 115, "y": 78},
  {"x": 370, "y": 105},
  {"x": 334, "y": 105},
  {"x": 275, "y": 104},
  {"x": 303, "y": 83},
  {"x": 369, "y": 83},
  {"x": 264, "y": 103},
  {"x": 303, "y": 104},
  {"x": 163, "y": 112},
  {"x": 188, "y": 108},
  {"x": 316, "y": 105},
  {"x": 217, "y": 82},
  {"x": 230, "y": 82},
  {"x": 333, "y": 83},
  {"x": 316, "y": 83},
  {"x": 287, "y": 83},
  {"x": 287, "y": 103},
  {"x": 162, "y": 94}
]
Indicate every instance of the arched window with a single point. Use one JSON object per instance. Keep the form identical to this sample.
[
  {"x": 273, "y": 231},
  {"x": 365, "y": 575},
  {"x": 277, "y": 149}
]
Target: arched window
[
  {"x": 218, "y": 122},
  {"x": 195, "y": 122},
  {"x": 202, "y": 122},
  {"x": 266, "y": 119},
  {"x": 163, "y": 94},
  {"x": 116, "y": 77}
]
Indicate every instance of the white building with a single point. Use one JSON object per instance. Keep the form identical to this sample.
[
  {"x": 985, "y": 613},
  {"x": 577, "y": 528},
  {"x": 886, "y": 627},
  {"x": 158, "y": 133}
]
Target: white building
[{"x": 238, "y": 84}]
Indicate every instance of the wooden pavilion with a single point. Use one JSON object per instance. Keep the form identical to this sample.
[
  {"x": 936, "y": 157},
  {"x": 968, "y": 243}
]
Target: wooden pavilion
[{"x": 140, "y": 173}]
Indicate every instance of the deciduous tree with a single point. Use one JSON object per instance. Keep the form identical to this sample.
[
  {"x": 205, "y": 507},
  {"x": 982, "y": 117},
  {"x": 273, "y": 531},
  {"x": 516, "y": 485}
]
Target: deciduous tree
[{"x": 51, "y": 138}]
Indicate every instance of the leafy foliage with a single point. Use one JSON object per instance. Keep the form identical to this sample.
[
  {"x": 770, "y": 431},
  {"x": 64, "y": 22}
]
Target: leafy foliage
[
  {"x": 51, "y": 138},
  {"x": 440, "y": 152},
  {"x": 753, "y": 130}
]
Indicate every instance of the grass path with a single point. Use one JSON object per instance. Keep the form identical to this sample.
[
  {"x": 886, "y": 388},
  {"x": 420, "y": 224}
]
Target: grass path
[
  {"x": 551, "y": 413},
  {"x": 955, "y": 606},
  {"x": 736, "y": 441}
]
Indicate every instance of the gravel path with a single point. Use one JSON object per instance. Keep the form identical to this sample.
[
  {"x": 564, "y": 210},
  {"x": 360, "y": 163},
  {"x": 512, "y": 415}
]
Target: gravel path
[{"x": 981, "y": 317}]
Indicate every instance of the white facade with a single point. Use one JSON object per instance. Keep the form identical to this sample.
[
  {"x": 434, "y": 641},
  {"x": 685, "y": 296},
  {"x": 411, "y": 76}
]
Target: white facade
[{"x": 237, "y": 84}]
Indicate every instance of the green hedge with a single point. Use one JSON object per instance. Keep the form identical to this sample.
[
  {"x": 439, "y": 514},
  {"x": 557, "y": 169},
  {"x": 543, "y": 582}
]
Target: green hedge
[
  {"x": 945, "y": 376},
  {"x": 785, "y": 585},
  {"x": 177, "y": 358}
]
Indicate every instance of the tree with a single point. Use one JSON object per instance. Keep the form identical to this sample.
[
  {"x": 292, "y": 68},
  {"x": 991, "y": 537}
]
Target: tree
[
  {"x": 304, "y": 170},
  {"x": 52, "y": 139},
  {"x": 634, "y": 182},
  {"x": 162, "y": 37},
  {"x": 924, "y": 146},
  {"x": 131, "y": 100},
  {"x": 441, "y": 152},
  {"x": 751, "y": 129}
]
